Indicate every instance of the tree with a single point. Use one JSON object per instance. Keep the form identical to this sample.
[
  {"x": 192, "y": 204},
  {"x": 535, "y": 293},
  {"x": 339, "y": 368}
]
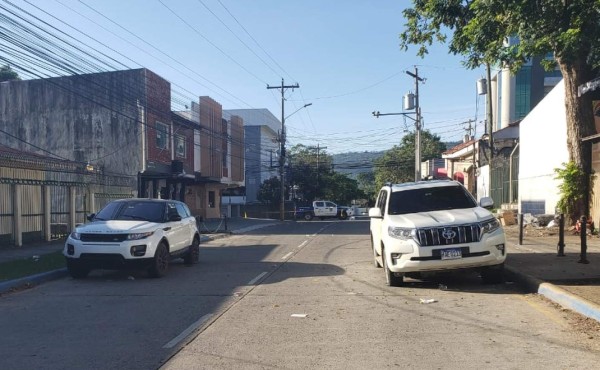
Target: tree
[
  {"x": 397, "y": 165},
  {"x": 312, "y": 173},
  {"x": 570, "y": 30},
  {"x": 7, "y": 74},
  {"x": 366, "y": 183},
  {"x": 270, "y": 191}
]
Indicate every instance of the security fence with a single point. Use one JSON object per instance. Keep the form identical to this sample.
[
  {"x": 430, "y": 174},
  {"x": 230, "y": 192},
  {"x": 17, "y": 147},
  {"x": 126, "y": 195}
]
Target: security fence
[{"x": 43, "y": 199}]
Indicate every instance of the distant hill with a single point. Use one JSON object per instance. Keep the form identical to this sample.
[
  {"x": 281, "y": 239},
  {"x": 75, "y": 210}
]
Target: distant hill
[{"x": 353, "y": 163}]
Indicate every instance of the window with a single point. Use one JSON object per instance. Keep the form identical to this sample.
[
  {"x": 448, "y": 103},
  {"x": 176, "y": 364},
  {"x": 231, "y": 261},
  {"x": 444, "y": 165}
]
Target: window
[
  {"x": 523, "y": 92},
  {"x": 162, "y": 136},
  {"x": 181, "y": 210},
  {"x": 381, "y": 201},
  {"x": 180, "y": 146}
]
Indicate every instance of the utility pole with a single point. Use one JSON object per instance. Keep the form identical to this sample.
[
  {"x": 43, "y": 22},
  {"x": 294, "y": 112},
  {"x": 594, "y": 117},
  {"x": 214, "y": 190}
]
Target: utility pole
[
  {"x": 318, "y": 148},
  {"x": 417, "y": 123},
  {"x": 417, "y": 120},
  {"x": 282, "y": 145}
]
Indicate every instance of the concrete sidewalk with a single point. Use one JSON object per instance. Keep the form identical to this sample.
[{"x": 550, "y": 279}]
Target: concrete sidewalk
[
  {"x": 536, "y": 265},
  {"x": 210, "y": 230}
]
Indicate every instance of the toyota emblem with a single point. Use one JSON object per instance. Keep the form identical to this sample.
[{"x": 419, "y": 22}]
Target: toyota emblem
[{"x": 448, "y": 234}]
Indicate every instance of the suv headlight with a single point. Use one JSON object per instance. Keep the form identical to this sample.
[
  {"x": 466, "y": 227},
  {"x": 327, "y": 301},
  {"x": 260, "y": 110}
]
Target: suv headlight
[
  {"x": 138, "y": 236},
  {"x": 75, "y": 235},
  {"x": 401, "y": 233},
  {"x": 490, "y": 225}
]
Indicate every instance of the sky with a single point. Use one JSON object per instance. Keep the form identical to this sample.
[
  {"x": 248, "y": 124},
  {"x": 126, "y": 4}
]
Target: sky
[{"x": 344, "y": 55}]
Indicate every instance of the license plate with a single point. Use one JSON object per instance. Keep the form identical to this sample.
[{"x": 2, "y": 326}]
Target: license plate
[{"x": 451, "y": 254}]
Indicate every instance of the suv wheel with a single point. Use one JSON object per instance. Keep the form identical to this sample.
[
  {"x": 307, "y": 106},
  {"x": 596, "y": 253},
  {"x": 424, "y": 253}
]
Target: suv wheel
[
  {"x": 308, "y": 216},
  {"x": 160, "y": 262},
  {"x": 493, "y": 274},
  {"x": 76, "y": 269},
  {"x": 391, "y": 278},
  {"x": 343, "y": 215},
  {"x": 193, "y": 254}
]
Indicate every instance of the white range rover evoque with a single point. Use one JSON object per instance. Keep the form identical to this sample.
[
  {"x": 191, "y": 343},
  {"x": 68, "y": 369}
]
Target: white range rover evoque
[
  {"x": 434, "y": 226},
  {"x": 134, "y": 233}
]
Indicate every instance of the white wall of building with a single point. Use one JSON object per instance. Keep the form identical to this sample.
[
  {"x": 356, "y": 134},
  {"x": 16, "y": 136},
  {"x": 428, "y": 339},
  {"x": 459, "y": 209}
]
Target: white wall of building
[{"x": 543, "y": 147}]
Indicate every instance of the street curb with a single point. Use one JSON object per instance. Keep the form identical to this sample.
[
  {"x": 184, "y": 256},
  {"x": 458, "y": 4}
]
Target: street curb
[
  {"x": 43, "y": 277},
  {"x": 556, "y": 294}
]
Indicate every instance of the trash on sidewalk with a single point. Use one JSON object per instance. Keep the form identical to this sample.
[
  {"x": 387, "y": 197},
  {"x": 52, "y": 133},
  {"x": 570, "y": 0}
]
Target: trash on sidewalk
[
  {"x": 428, "y": 301},
  {"x": 35, "y": 258},
  {"x": 443, "y": 287},
  {"x": 299, "y": 315}
]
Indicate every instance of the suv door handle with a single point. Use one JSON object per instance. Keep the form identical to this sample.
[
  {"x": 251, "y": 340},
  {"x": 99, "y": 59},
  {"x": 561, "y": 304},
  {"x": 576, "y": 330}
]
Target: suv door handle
[{"x": 166, "y": 228}]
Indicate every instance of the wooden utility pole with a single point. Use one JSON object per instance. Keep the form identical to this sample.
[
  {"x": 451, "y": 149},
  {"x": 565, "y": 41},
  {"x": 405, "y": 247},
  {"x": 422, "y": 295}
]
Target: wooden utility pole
[{"x": 282, "y": 145}]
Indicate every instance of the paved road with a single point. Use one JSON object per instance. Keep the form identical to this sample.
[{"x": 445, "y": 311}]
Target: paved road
[{"x": 298, "y": 295}]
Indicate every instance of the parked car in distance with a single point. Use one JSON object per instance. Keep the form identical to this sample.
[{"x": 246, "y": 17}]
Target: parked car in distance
[
  {"x": 323, "y": 209},
  {"x": 134, "y": 233},
  {"x": 433, "y": 226}
]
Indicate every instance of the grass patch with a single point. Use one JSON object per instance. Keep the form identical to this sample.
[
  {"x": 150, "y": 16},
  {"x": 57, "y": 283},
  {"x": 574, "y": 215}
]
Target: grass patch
[{"x": 25, "y": 267}]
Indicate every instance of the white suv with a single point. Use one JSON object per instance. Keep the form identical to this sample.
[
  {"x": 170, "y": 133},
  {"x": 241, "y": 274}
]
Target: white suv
[
  {"x": 138, "y": 233},
  {"x": 433, "y": 226}
]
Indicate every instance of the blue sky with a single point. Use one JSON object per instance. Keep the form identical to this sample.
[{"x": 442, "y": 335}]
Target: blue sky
[{"x": 345, "y": 56}]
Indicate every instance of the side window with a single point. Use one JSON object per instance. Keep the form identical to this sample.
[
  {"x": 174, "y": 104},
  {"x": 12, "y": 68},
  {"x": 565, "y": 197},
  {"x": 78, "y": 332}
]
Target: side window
[
  {"x": 171, "y": 210},
  {"x": 181, "y": 210},
  {"x": 329, "y": 204},
  {"x": 319, "y": 204}
]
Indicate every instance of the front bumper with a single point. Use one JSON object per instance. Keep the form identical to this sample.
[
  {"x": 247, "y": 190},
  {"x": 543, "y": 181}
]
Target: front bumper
[
  {"x": 128, "y": 250},
  {"x": 407, "y": 256}
]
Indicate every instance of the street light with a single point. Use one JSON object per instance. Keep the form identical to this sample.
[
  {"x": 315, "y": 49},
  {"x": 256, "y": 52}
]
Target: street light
[{"x": 282, "y": 160}]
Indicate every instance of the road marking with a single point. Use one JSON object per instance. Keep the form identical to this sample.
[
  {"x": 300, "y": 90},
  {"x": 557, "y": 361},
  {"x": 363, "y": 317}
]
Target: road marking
[
  {"x": 287, "y": 256},
  {"x": 303, "y": 244},
  {"x": 260, "y": 276},
  {"x": 187, "y": 331}
]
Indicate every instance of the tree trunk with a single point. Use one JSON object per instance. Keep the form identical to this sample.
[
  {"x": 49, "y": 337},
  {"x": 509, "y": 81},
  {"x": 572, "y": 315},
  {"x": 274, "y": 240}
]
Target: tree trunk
[{"x": 580, "y": 124}]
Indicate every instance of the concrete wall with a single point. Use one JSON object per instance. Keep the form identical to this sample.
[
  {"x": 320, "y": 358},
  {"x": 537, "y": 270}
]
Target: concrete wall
[
  {"x": 236, "y": 142},
  {"x": 543, "y": 147},
  {"x": 97, "y": 118}
]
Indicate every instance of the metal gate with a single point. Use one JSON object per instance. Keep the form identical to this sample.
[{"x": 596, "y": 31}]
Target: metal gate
[
  {"x": 6, "y": 215},
  {"x": 32, "y": 213},
  {"x": 501, "y": 180}
]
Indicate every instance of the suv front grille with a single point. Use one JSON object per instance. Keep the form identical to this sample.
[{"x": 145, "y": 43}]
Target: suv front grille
[
  {"x": 449, "y": 235},
  {"x": 103, "y": 238}
]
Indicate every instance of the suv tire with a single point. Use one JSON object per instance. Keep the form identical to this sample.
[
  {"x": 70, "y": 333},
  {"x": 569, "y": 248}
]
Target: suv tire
[
  {"x": 308, "y": 216},
  {"x": 391, "y": 278},
  {"x": 160, "y": 262},
  {"x": 343, "y": 215},
  {"x": 193, "y": 254}
]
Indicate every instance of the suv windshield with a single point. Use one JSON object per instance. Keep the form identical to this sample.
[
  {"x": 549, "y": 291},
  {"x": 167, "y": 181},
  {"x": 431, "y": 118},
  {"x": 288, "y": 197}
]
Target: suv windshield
[
  {"x": 429, "y": 199},
  {"x": 133, "y": 210}
]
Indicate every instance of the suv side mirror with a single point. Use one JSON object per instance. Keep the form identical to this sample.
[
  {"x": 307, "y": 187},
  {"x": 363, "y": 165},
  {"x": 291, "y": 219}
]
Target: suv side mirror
[
  {"x": 486, "y": 202},
  {"x": 91, "y": 217},
  {"x": 375, "y": 212}
]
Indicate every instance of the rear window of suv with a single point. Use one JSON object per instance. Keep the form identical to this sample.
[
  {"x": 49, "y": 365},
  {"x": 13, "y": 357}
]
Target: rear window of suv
[{"x": 429, "y": 199}]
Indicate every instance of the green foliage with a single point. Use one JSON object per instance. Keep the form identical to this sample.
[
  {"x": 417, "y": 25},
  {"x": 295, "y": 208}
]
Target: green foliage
[
  {"x": 26, "y": 267},
  {"x": 312, "y": 173},
  {"x": 397, "y": 165},
  {"x": 7, "y": 74},
  {"x": 570, "y": 30},
  {"x": 366, "y": 183},
  {"x": 270, "y": 191},
  {"x": 571, "y": 189}
]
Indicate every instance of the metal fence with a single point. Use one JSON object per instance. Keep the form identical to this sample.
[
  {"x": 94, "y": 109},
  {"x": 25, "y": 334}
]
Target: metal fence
[{"x": 504, "y": 187}]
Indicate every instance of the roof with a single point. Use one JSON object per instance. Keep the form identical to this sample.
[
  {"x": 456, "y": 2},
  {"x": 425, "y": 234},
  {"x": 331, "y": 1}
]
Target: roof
[
  {"x": 509, "y": 132},
  {"x": 424, "y": 184},
  {"x": 459, "y": 147}
]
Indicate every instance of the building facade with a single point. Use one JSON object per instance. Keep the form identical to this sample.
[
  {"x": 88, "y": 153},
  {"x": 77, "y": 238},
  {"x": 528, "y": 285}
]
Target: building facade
[
  {"x": 261, "y": 143},
  {"x": 121, "y": 123}
]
